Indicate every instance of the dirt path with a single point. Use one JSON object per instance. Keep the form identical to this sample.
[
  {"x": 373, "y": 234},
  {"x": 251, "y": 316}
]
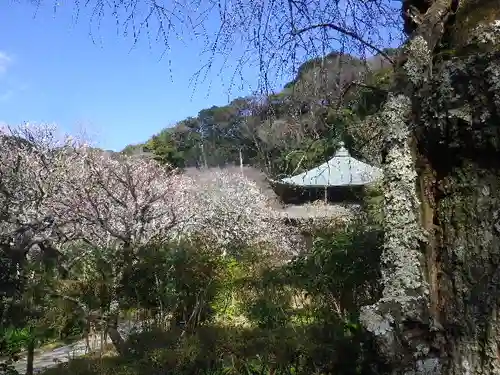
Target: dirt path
[{"x": 53, "y": 357}]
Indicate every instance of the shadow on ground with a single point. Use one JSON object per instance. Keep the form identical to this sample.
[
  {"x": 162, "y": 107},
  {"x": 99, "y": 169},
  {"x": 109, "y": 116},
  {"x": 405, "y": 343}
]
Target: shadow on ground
[{"x": 222, "y": 350}]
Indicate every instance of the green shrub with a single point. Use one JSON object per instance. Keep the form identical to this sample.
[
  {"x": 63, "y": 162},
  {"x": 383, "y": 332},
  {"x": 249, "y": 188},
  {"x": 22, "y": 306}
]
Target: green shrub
[
  {"x": 302, "y": 316},
  {"x": 187, "y": 276},
  {"x": 14, "y": 340}
]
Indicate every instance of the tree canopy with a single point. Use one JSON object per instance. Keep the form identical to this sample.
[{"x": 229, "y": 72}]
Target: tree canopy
[{"x": 286, "y": 132}]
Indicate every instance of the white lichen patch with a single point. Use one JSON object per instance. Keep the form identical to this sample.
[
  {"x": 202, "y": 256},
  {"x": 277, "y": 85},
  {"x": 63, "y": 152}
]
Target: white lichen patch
[
  {"x": 405, "y": 292},
  {"x": 486, "y": 34},
  {"x": 466, "y": 368},
  {"x": 401, "y": 256},
  {"x": 376, "y": 323},
  {"x": 493, "y": 74},
  {"x": 464, "y": 113},
  {"x": 429, "y": 366},
  {"x": 419, "y": 59}
]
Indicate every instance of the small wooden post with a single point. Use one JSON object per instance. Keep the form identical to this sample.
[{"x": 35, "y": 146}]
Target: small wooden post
[
  {"x": 204, "y": 156},
  {"x": 241, "y": 162}
]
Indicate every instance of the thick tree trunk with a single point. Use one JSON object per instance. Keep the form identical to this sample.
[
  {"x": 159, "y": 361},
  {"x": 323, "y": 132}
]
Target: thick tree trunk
[
  {"x": 117, "y": 340},
  {"x": 114, "y": 334},
  {"x": 440, "y": 307},
  {"x": 112, "y": 315},
  {"x": 400, "y": 322},
  {"x": 30, "y": 356},
  {"x": 460, "y": 139}
]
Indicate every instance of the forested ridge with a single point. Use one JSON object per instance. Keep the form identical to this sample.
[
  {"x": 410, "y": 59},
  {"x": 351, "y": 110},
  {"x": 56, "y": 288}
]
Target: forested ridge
[{"x": 291, "y": 131}]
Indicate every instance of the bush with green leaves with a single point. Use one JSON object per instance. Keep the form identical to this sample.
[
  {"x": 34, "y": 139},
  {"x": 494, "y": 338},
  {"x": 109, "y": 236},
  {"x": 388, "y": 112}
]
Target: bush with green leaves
[
  {"x": 31, "y": 317},
  {"x": 322, "y": 292},
  {"x": 14, "y": 340},
  {"x": 180, "y": 278},
  {"x": 300, "y": 317}
]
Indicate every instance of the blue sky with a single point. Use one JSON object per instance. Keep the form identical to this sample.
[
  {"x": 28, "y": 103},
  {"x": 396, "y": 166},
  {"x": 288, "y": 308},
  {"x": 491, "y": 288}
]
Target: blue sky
[
  {"x": 56, "y": 70},
  {"x": 52, "y": 70}
]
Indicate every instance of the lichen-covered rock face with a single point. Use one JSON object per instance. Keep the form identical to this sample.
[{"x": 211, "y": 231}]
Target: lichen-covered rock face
[{"x": 459, "y": 135}]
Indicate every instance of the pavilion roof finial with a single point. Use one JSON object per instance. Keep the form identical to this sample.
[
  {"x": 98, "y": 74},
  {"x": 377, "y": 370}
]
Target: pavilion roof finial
[
  {"x": 340, "y": 170},
  {"x": 342, "y": 151}
]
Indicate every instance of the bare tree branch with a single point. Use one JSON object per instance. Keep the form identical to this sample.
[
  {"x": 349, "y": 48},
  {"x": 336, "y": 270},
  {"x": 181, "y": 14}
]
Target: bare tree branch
[
  {"x": 274, "y": 35},
  {"x": 348, "y": 33}
]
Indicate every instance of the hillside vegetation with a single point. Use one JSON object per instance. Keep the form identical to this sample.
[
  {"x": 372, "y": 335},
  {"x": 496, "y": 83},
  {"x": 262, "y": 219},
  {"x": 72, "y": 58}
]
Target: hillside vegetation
[{"x": 330, "y": 100}]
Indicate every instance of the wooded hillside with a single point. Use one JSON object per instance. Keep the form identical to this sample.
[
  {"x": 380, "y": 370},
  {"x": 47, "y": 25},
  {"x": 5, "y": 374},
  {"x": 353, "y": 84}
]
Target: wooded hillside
[{"x": 331, "y": 99}]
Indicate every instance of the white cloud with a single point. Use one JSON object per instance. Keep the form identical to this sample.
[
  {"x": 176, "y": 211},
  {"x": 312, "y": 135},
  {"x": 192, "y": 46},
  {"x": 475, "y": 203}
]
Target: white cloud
[{"x": 5, "y": 61}]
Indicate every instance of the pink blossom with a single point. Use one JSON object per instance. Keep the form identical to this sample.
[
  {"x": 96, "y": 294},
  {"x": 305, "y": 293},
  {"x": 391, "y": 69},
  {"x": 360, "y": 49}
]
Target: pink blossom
[
  {"x": 232, "y": 208},
  {"x": 68, "y": 193}
]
